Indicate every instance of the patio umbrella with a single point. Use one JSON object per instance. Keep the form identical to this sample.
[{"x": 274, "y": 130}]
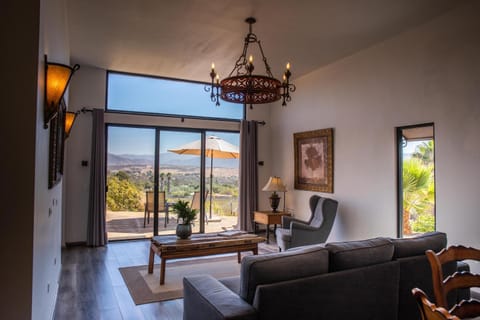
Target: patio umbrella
[{"x": 215, "y": 147}]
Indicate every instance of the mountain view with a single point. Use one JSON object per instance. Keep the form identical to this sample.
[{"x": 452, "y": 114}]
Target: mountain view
[{"x": 166, "y": 159}]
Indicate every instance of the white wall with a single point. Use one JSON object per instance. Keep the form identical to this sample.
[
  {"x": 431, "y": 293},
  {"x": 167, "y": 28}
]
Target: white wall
[
  {"x": 87, "y": 89},
  {"x": 428, "y": 74},
  {"x": 48, "y": 202}
]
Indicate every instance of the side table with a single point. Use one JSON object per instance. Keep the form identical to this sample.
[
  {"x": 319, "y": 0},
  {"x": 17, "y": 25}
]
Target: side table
[{"x": 268, "y": 218}]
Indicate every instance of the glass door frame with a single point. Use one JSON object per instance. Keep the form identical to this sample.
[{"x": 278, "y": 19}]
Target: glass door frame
[{"x": 156, "y": 166}]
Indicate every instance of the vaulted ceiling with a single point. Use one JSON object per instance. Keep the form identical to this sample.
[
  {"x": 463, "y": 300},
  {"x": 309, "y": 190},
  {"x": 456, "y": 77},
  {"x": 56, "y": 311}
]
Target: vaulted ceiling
[{"x": 181, "y": 38}]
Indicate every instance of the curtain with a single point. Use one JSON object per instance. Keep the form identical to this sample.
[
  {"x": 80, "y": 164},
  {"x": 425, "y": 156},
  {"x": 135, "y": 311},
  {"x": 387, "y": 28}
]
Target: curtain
[
  {"x": 248, "y": 175},
  {"x": 96, "y": 231}
]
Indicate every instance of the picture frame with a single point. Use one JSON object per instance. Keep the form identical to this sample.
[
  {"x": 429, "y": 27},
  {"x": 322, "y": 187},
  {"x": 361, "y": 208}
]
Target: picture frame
[
  {"x": 56, "y": 146},
  {"x": 313, "y": 154}
]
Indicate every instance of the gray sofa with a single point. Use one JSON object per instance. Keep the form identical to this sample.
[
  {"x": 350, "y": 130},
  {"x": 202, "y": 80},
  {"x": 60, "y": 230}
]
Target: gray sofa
[{"x": 368, "y": 279}]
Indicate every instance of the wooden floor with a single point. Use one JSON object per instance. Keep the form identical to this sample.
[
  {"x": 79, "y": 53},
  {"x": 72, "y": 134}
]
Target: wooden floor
[{"x": 91, "y": 286}]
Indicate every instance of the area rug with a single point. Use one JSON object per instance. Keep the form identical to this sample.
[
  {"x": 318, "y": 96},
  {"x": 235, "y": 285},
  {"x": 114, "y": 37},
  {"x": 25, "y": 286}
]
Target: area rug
[{"x": 146, "y": 288}]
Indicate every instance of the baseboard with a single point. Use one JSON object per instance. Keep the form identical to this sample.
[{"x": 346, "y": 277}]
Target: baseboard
[{"x": 75, "y": 244}]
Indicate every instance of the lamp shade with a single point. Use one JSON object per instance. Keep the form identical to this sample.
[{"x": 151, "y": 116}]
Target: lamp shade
[
  {"x": 57, "y": 77},
  {"x": 275, "y": 184},
  {"x": 69, "y": 120}
]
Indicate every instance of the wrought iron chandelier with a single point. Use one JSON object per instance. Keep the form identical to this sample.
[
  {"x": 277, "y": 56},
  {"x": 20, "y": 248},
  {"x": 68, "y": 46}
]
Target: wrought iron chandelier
[{"x": 242, "y": 86}]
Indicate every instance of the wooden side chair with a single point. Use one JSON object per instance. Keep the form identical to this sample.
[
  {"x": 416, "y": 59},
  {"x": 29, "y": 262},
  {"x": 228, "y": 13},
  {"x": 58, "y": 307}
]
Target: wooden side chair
[
  {"x": 428, "y": 310},
  {"x": 459, "y": 280},
  {"x": 162, "y": 207}
]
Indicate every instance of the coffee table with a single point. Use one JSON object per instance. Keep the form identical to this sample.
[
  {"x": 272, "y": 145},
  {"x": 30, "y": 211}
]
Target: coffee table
[{"x": 170, "y": 247}]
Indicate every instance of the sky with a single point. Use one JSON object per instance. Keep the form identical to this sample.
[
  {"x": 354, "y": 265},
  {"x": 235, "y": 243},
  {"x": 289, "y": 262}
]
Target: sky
[
  {"x": 159, "y": 95},
  {"x": 410, "y": 148}
]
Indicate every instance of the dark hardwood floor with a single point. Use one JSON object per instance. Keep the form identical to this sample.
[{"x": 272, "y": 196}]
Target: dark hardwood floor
[{"x": 91, "y": 286}]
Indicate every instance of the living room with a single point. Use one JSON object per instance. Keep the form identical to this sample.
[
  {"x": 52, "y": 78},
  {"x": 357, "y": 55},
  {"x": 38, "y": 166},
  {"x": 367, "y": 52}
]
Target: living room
[{"x": 426, "y": 71}]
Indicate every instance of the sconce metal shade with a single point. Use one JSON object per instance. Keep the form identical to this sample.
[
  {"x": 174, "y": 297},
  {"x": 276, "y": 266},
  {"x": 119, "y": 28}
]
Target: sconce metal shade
[
  {"x": 57, "y": 77},
  {"x": 69, "y": 120}
]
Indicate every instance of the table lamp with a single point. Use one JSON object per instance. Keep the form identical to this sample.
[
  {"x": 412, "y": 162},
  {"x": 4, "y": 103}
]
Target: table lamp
[{"x": 274, "y": 184}]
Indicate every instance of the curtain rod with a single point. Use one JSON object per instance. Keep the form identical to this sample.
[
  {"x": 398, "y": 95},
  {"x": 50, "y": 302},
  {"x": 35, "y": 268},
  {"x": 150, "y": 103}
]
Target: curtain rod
[{"x": 85, "y": 110}]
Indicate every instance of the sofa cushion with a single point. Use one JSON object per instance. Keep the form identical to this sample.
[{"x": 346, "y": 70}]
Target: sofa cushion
[
  {"x": 368, "y": 293},
  {"x": 282, "y": 266},
  {"x": 354, "y": 254},
  {"x": 232, "y": 283},
  {"x": 416, "y": 246}
]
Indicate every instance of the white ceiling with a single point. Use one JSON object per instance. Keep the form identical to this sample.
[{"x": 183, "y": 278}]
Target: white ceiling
[{"x": 181, "y": 38}]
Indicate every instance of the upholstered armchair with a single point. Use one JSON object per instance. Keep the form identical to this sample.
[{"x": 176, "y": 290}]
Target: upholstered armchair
[{"x": 295, "y": 232}]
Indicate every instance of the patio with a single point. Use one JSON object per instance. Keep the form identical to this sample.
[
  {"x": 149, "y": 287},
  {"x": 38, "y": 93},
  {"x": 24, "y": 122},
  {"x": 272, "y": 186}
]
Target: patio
[{"x": 123, "y": 225}]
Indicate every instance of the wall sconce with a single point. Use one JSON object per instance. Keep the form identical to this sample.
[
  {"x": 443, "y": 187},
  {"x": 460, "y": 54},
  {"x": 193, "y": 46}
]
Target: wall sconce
[
  {"x": 57, "y": 77},
  {"x": 69, "y": 120}
]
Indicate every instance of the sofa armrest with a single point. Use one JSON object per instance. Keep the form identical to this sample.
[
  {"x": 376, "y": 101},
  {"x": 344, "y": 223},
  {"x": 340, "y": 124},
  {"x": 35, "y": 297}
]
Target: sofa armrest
[
  {"x": 204, "y": 297},
  {"x": 302, "y": 226},
  {"x": 287, "y": 221}
]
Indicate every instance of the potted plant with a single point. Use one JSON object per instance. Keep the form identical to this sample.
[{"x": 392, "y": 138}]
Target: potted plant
[{"x": 187, "y": 215}]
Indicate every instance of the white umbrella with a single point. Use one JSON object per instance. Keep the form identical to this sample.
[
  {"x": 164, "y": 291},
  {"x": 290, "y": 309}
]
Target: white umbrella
[{"x": 215, "y": 147}]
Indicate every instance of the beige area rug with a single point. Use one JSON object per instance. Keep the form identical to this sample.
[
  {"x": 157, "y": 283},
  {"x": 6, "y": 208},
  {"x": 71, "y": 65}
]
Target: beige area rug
[{"x": 146, "y": 288}]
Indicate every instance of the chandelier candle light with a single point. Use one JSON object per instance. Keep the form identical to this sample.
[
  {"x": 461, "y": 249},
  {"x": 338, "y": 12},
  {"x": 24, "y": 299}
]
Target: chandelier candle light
[
  {"x": 274, "y": 184},
  {"x": 242, "y": 86}
]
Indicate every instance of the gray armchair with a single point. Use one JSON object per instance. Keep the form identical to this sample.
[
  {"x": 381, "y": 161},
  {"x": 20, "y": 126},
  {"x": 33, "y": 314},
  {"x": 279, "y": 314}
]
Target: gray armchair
[{"x": 295, "y": 233}]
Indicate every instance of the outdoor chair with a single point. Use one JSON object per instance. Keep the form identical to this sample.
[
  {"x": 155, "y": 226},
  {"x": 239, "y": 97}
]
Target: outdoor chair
[
  {"x": 195, "y": 204},
  {"x": 149, "y": 207},
  {"x": 295, "y": 233}
]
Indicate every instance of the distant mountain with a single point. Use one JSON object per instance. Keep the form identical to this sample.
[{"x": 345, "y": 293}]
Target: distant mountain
[{"x": 167, "y": 158}]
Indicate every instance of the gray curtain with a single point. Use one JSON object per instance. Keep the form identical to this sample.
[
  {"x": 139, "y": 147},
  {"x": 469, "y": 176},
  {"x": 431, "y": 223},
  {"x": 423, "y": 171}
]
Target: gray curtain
[
  {"x": 248, "y": 175},
  {"x": 96, "y": 231}
]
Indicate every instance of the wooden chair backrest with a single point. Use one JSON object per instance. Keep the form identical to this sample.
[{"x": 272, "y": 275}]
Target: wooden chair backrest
[
  {"x": 459, "y": 280},
  {"x": 428, "y": 310},
  {"x": 161, "y": 201},
  {"x": 195, "y": 204}
]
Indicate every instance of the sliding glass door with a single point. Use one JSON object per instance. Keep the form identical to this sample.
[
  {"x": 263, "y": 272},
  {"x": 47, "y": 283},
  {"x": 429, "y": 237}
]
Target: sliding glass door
[
  {"x": 149, "y": 169},
  {"x": 180, "y": 173},
  {"x": 221, "y": 180},
  {"x": 130, "y": 168}
]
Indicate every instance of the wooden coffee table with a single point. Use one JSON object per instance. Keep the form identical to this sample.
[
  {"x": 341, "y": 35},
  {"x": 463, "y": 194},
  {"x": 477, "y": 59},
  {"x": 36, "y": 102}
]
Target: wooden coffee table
[{"x": 170, "y": 247}]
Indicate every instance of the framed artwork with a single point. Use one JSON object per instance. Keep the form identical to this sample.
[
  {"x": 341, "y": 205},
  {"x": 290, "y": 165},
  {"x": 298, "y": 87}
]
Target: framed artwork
[
  {"x": 314, "y": 160},
  {"x": 56, "y": 146}
]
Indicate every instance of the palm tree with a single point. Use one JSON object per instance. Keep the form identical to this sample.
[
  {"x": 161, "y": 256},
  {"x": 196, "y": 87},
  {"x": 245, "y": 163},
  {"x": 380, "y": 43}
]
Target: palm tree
[
  {"x": 418, "y": 190},
  {"x": 169, "y": 178},
  {"x": 162, "y": 179},
  {"x": 425, "y": 152}
]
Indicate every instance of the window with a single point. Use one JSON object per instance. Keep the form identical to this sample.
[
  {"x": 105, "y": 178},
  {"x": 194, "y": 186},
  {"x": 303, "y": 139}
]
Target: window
[
  {"x": 416, "y": 179},
  {"x": 146, "y": 94}
]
